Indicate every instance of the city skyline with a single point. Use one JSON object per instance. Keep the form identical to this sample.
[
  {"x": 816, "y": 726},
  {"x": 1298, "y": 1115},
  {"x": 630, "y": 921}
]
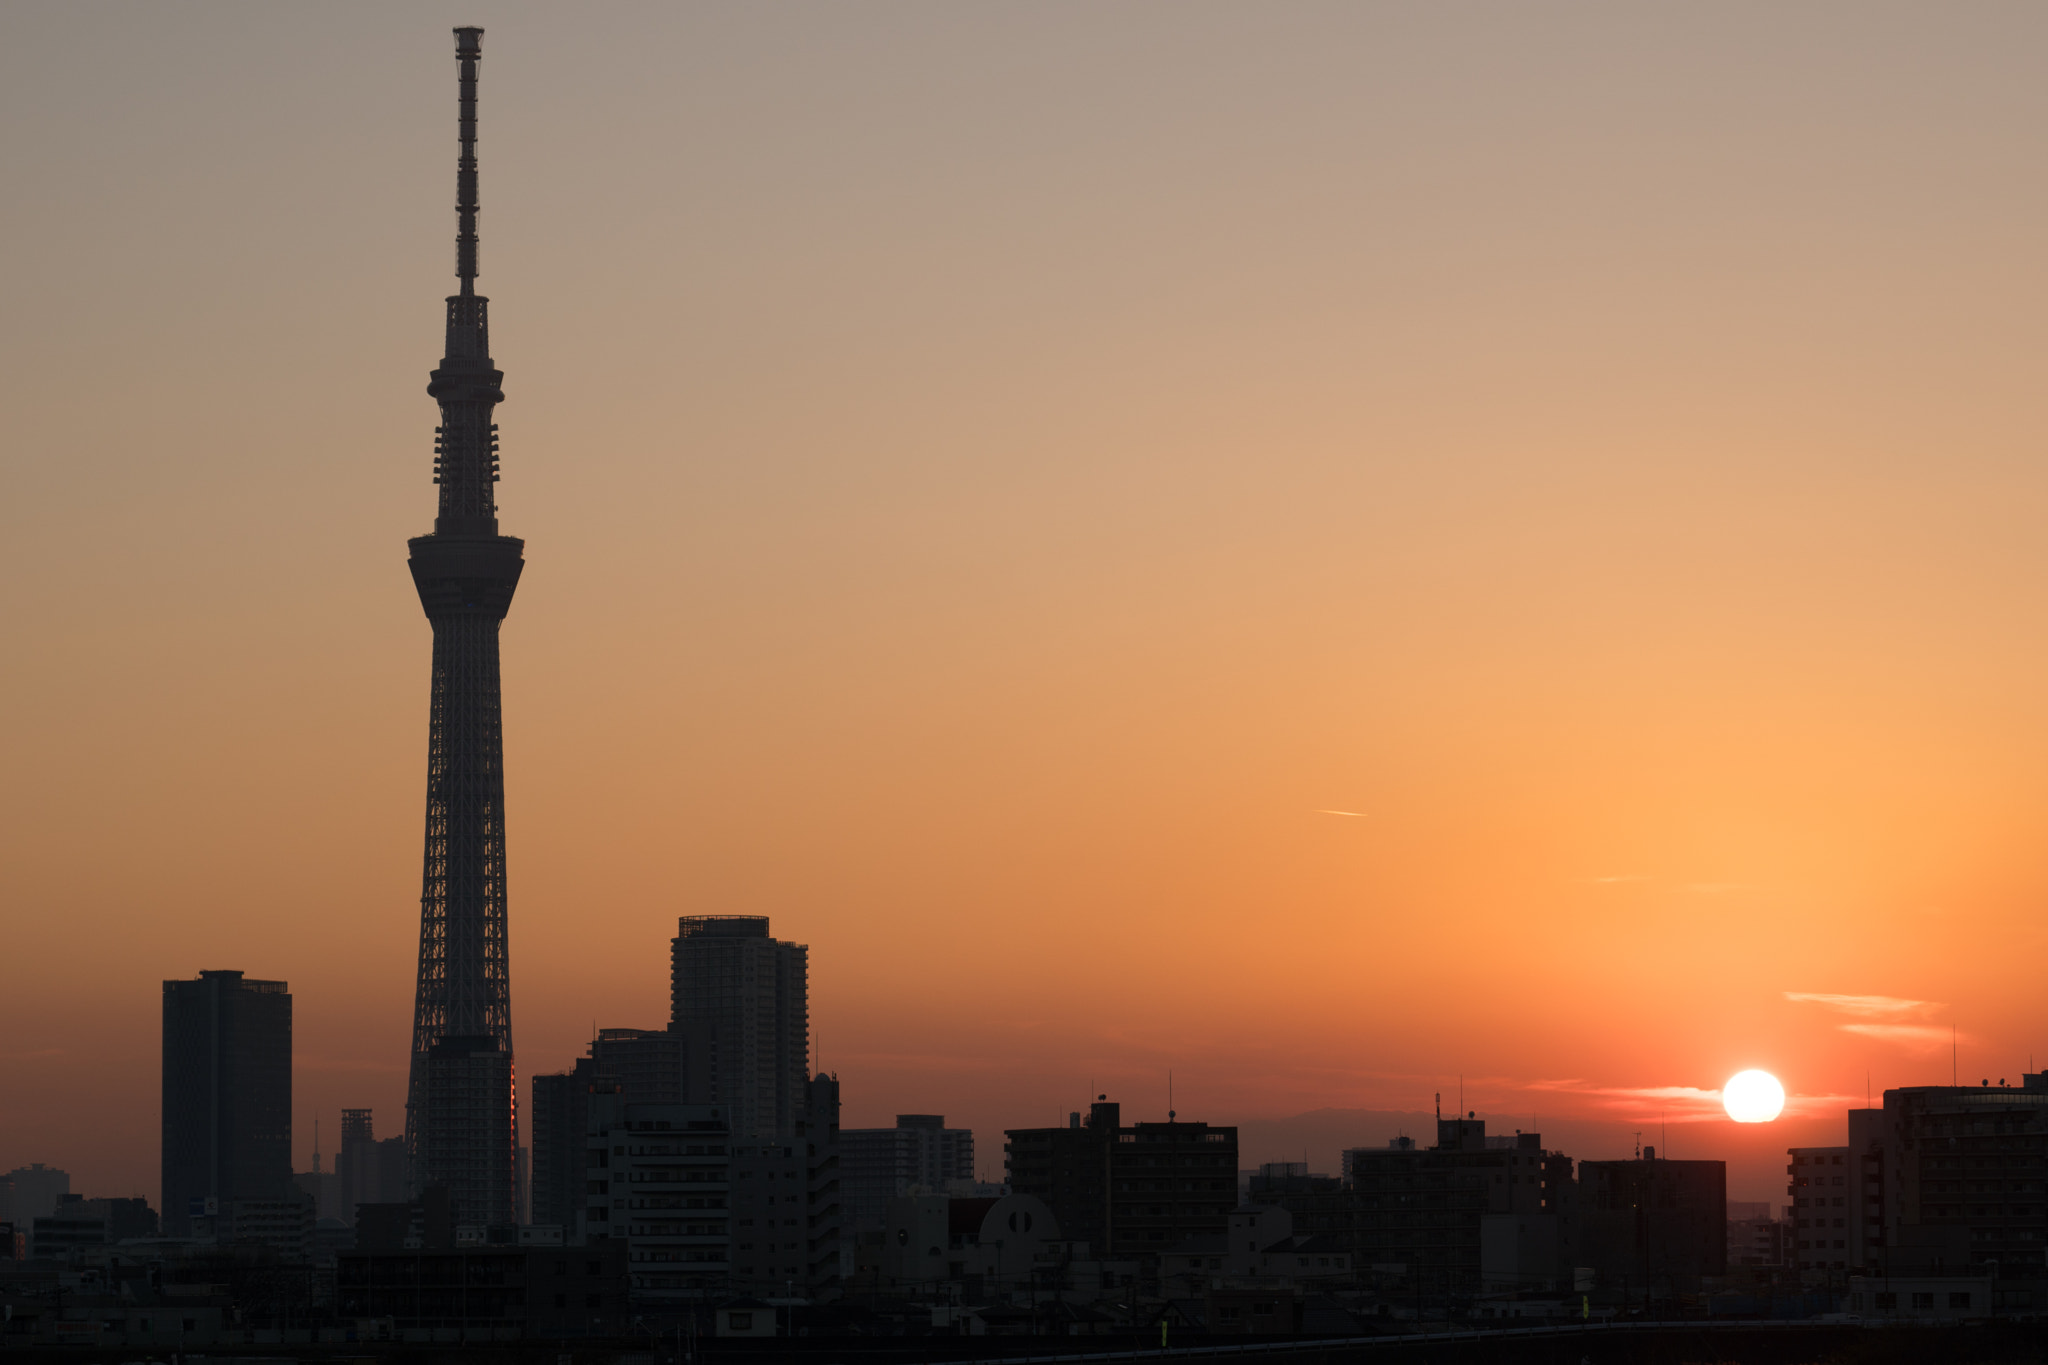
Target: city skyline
[{"x": 1150, "y": 550}]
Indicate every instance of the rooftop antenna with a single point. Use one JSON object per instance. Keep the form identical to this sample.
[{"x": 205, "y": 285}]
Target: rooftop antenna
[
  {"x": 1169, "y": 1094},
  {"x": 1955, "y": 1072},
  {"x": 316, "y": 1144}
]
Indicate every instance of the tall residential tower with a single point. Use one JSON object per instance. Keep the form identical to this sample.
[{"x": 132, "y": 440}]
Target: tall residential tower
[
  {"x": 461, "y": 1116},
  {"x": 227, "y": 1095},
  {"x": 743, "y": 999}
]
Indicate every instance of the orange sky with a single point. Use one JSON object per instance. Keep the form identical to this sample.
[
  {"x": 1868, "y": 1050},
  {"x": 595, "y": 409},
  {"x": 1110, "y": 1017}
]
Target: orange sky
[{"x": 994, "y": 479}]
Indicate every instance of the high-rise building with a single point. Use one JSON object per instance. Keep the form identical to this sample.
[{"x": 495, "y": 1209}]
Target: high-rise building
[
  {"x": 561, "y": 1122},
  {"x": 744, "y": 998},
  {"x": 371, "y": 1171},
  {"x": 461, "y": 1114},
  {"x": 227, "y": 1094},
  {"x": 919, "y": 1155}
]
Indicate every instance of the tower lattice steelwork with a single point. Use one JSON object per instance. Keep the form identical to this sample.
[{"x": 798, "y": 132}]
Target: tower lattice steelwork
[{"x": 462, "y": 1125}]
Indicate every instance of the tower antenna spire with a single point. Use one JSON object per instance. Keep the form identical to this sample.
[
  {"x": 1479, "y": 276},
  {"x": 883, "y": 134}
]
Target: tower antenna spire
[{"x": 469, "y": 50}]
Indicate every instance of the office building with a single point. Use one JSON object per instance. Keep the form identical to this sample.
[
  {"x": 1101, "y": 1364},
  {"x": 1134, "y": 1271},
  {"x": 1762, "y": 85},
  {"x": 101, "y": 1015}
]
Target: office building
[
  {"x": 1134, "y": 1190},
  {"x": 744, "y": 998},
  {"x": 227, "y": 1094},
  {"x": 920, "y": 1155}
]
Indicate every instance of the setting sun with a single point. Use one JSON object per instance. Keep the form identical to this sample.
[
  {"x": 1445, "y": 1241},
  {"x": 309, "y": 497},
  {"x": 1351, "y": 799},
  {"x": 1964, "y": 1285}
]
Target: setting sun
[{"x": 1753, "y": 1097}]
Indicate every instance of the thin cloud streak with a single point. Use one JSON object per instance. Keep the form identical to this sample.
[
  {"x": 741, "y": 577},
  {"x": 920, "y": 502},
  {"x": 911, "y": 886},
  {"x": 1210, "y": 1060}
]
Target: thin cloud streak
[
  {"x": 1354, "y": 814},
  {"x": 1679, "y": 1103},
  {"x": 1869, "y": 1006},
  {"x": 1925, "y": 1037}
]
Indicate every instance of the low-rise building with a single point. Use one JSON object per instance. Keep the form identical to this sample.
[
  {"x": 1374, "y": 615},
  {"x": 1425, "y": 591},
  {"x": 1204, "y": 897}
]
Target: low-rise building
[
  {"x": 931, "y": 1238},
  {"x": 488, "y": 1293}
]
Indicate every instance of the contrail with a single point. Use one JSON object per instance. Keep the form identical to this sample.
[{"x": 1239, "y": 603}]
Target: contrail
[{"x": 1355, "y": 814}]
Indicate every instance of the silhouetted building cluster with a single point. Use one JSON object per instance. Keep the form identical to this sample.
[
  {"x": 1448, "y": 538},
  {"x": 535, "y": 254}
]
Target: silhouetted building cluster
[
  {"x": 696, "y": 1174},
  {"x": 1125, "y": 1190}
]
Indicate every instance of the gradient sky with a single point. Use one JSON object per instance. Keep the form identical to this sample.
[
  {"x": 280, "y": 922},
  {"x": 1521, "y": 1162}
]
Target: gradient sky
[{"x": 995, "y": 480}]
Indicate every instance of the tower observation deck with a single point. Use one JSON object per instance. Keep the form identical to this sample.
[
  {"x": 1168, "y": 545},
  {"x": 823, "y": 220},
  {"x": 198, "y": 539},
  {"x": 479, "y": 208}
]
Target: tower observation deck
[{"x": 461, "y": 1111}]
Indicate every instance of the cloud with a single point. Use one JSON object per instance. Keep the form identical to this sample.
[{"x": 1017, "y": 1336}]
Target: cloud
[
  {"x": 1354, "y": 814},
  {"x": 1924, "y": 1036},
  {"x": 1679, "y": 1103},
  {"x": 1865, "y": 1006}
]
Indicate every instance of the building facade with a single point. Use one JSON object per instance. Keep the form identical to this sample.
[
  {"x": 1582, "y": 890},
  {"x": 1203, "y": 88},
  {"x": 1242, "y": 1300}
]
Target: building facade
[
  {"x": 919, "y": 1155},
  {"x": 227, "y": 1094},
  {"x": 660, "y": 1181},
  {"x": 1821, "y": 1181}
]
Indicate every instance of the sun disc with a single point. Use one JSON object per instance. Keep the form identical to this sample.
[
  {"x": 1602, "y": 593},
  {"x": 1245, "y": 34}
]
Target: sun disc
[{"x": 1753, "y": 1097}]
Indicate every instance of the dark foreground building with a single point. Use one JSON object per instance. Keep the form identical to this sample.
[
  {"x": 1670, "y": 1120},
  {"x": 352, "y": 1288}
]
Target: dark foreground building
[
  {"x": 461, "y": 1114},
  {"x": 227, "y": 1095},
  {"x": 489, "y": 1293},
  {"x": 1128, "y": 1191},
  {"x": 1656, "y": 1224},
  {"x": 1474, "y": 1209}
]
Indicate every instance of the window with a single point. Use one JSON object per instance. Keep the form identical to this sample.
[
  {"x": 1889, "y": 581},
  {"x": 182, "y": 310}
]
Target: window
[
  {"x": 1960, "y": 1299},
  {"x": 1923, "y": 1300},
  {"x": 740, "y": 1322}
]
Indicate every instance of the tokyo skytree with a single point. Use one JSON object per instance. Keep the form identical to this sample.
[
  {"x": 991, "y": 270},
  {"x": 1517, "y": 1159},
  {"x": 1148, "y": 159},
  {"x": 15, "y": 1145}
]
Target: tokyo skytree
[{"x": 461, "y": 1110}]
